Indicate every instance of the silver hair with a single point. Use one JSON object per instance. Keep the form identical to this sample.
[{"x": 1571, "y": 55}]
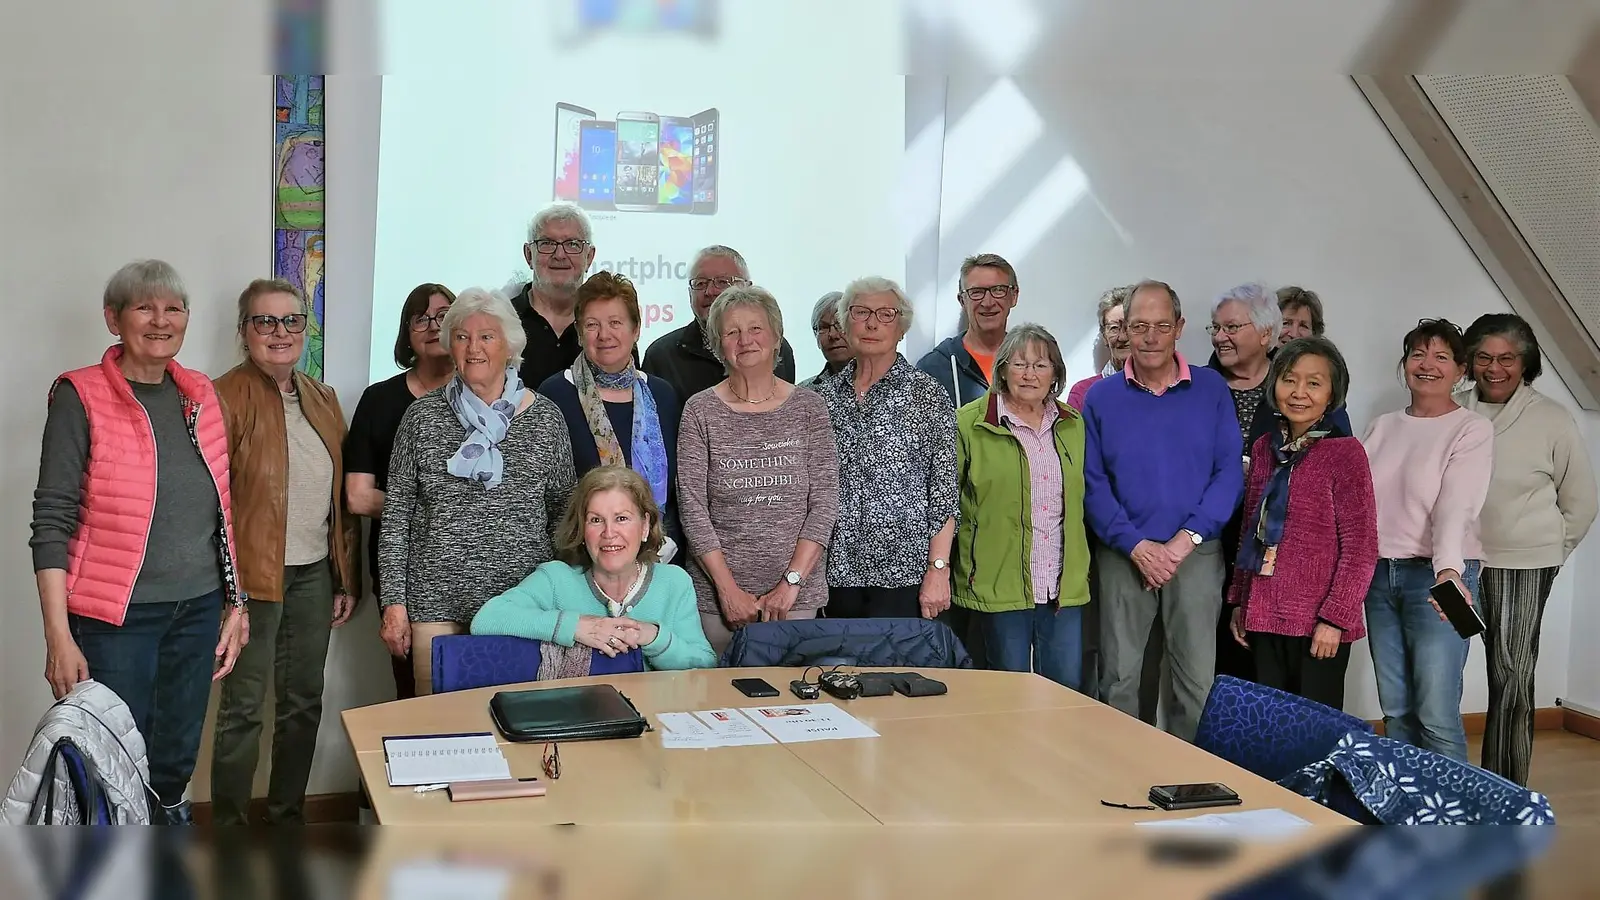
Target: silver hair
[
  {"x": 141, "y": 280},
  {"x": 1019, "y": 339},
  {"x": 1150, "y": 284},
  {"x": 724, "y": 252},
  {"x": 1261, "y": 301},
  {"x": 560, "y": 212},
  {"x": 475, "y": 301},
  {"x": 874, "y": 284},
  {"x": 1117, "y": 296},
  {"x": 828, "y": 303},
  {"x": 743, "y": 295}
]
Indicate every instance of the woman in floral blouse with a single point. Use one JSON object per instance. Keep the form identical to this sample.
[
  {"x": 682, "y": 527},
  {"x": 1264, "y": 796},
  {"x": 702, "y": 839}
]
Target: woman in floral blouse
[{"x": 896, "y": 434}]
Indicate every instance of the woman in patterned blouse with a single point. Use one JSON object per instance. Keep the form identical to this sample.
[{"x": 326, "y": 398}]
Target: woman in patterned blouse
[{"x": 896, "y": 435}]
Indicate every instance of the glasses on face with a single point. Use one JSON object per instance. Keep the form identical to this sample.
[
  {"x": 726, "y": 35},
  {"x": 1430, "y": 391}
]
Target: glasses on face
[
  {"x": 1229, "y": 329},
  {"x": 424, "y": 322},
  {"x": 885, "y": 315},
  {"x": 826, "y": 327},
  {"x": 572, "y": 246},
  {"x": 1506, "y": 360},
  {"x": 294, "y": 324},
  {"x": 1021, "y": 367},
  {"x": 1143, "y": 328},
  {"x": 552, "y": 761},
  {"x": 721, "y": 284},
  {"x": 1114, "y": 329},
  {"x": 998, "y": 292}
]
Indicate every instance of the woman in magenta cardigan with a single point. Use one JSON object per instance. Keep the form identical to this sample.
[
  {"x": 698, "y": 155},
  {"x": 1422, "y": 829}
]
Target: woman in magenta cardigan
[{"x": 1310, "y": 536}]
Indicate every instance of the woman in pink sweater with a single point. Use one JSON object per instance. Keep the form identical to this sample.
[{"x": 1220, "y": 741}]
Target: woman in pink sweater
[
  {"x": 1310, "y": 533},
  {"x": 1431, "y": 464}
]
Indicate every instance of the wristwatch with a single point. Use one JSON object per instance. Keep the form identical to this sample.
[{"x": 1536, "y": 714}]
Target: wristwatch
[
  {"x": 938, "y": 564},
  {"x": 1194, "y": 537},
  {"x": 794, "y": 578}
]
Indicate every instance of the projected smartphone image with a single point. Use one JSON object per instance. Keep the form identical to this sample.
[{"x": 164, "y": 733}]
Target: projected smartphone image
[
  {"x": 703, "y": 172},
  {"x": 638, "y": 161},
  {"x": 695, "y": 17},
  {"x": 597, "y": 168},
  {"x": 568, "y": 120},
  {"x": 674, "y": 190}
]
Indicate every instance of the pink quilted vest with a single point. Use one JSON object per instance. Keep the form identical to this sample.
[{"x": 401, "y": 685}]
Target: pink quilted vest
[{"x": 118, "y": 498}]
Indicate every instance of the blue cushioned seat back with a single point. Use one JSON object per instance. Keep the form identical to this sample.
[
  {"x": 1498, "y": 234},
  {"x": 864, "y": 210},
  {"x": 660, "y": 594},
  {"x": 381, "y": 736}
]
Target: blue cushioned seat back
[{"x": 465, "y": 661}]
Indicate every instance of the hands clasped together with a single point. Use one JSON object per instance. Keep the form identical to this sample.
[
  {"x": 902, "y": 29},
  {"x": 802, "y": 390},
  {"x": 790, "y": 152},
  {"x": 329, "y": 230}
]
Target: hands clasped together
[
  {"x": 1159, "y": 562},
  {"x": 612, "y": 636}
]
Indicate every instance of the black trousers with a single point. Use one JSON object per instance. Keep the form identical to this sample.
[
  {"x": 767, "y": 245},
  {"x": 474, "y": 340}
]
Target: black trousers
[{"x": 1286, "y": 663}]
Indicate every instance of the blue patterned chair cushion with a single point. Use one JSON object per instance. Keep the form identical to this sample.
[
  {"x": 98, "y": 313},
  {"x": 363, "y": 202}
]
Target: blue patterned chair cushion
[
  {"x": 1379, "y": 780},
  {"x": 465, "y": 661},
  {"x": 1267, "y": 731}
]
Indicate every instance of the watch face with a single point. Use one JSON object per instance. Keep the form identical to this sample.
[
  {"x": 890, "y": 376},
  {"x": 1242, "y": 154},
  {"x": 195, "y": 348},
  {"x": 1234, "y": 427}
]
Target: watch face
[{"x": 792, "y": 577}]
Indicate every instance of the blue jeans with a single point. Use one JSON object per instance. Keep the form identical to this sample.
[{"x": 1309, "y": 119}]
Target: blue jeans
[
  {"x": 1418, "y": 658},
  {"x": 159, "y": 662},
  {"x": 1047, "y": 639}
]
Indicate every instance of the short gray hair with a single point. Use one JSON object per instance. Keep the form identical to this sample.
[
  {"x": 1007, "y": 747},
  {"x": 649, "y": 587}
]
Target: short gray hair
[
  {"x": 141, "y": 280},
  {"x": 828, "y": 303},
  {"x": 560, "y": 212},
  {"x": 1261, "y": 301},
  {"x": 734, "y": 297},
  {"x": 1152, "y": 285},
  {"x": 475, "y": 301},
  {"x": 874, "y": 284},
  {"x": 1117, "y": 296},
  {"x": 726, "y": 253},
  {"x": 1019, "y": 339},
  {"x": 986, "y": 261}
]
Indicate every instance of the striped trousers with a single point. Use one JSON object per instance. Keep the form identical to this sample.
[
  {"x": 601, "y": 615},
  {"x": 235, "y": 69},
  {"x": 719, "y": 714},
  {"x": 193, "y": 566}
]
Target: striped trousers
[{"x": 1512, "y": 603}]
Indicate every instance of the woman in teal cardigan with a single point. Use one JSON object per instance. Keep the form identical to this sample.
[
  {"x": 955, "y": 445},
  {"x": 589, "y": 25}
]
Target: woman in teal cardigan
[
  {"x": 1021, "y": 554},
  {"x": 605, "y": 590}
]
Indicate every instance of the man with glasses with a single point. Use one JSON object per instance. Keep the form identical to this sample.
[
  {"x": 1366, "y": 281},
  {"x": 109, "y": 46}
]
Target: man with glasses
[
  {"x": 836, "y": 351},
  {"x": 681, "y": 357},
  {"x": 1161, "y": 479},
  {"x": 559, "y": 250},
  {"x": 964, "y": 364}
]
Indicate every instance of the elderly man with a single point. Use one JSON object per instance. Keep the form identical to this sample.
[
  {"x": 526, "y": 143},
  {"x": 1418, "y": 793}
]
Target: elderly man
[
  {"x": 964, "y": 363},
  {"x": 1161, "y": 479},
  {"x": 836, "y": 351},
  {"x": 681, "y": 357},
  {"x": 559, "y": 250}
]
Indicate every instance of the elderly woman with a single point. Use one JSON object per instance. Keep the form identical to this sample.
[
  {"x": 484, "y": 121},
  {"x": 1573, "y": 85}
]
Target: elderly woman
[
  {"x": 1431, "y": 465},
  {"x": 1310, "y": 531},
  {"x": 1020, "y": 455},
  {"x": 1541, "y": 503},
  {"x": 830, "y": 339},
  {"x": 299, "y": 554},
  {"x": 133, "y": 545},
  {"x": 426, "y": 366},
  {"x": 605, "y": 591},
  {"x": 898, "y": 493},
  {"x": 1113, "y": 337},
  {"x": 615, "y": 414},
  {"x": 480, "y": 473},
  {"x": 758, "y": 481},
  {"x": 1302, "y": 314}
]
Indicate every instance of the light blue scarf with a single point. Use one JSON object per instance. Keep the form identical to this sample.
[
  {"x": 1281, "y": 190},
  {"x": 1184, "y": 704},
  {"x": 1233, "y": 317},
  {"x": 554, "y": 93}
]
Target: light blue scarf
[{"x": 479, "y": 458}]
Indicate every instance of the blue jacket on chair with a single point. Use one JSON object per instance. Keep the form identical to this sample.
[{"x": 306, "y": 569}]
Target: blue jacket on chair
[{"x": 916, "y": 643}]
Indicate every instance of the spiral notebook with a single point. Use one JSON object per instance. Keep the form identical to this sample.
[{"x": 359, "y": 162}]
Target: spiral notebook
[{"x": 443, "y": 759}]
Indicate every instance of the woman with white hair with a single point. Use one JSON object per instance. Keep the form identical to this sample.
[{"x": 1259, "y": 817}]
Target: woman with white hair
[
  {"x": 480, "y": 475},
  {"x": 758, "y": 482},
  {"x": 896, "y": 433},
  {"x": 830, "y": 339}
]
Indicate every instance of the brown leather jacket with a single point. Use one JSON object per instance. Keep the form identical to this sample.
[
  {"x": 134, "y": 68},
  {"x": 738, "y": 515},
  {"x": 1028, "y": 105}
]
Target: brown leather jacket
[{"x": 258, "y": 449}]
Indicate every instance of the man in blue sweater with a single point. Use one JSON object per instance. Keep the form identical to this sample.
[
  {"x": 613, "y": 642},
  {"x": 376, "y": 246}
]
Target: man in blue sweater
[{"x": 1161, "y": 478}]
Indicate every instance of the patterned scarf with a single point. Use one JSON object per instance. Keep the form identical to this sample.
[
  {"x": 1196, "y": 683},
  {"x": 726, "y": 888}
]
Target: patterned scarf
[
  {"x": 649, "y": 451},
  {"x": 479, "y": 458},
  {"x": 1258, "y": 551},
  {"x": 556, "y": 661}
]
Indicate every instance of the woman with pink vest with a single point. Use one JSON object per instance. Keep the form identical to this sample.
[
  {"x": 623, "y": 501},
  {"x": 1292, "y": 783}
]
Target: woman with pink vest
[{"x": 132, "y": 531}]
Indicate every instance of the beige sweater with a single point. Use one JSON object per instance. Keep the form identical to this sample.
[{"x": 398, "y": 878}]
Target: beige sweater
[{"x": 1542, "y": 493}]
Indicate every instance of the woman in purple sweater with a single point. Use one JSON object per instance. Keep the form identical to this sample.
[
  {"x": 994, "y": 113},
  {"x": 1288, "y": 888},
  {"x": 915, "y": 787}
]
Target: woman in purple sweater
[{"x": 1310, "y": 536}]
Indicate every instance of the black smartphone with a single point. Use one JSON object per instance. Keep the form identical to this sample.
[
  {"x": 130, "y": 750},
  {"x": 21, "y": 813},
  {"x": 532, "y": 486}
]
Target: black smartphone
[
  {"x": 597, "y": 173},
  {"x": 1193, "y": 796},
  {"x": 704, "y": 183},
  {"x": 1463, "y": 616},
  {"x": 569, "y": 119},
  {"x": 754, "y": 687}
]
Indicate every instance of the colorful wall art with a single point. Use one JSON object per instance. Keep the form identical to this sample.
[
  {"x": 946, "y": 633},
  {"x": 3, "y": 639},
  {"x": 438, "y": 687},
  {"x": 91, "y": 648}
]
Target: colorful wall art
[{"x": 297, "y": 202}]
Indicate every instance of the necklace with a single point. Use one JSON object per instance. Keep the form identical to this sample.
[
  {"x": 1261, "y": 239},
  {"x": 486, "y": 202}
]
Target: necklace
[{"x": 744, "y": 399}]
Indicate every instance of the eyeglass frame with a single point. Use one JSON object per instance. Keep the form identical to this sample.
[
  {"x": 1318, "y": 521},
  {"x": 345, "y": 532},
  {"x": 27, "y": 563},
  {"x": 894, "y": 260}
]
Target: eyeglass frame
[
  {"x": 824, "y": 329},
  {"x": 550, "y": 761},
  {"x": 1230, "y": 329},
  {"x": 272, "y": 323},
  {"x": 539, "y": 245},
  {"x": 975, "y": 294},
  {"x": 737, "y": 281},
  {"x": 425, "y": 320},
  {"x": 867, "y": 312},
  {"x": 1023, "y": 367},
  {"x": 1144, "y": 327}
]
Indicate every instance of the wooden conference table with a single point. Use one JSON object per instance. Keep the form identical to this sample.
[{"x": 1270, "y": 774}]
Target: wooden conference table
[{"x": 999, "y": 749}]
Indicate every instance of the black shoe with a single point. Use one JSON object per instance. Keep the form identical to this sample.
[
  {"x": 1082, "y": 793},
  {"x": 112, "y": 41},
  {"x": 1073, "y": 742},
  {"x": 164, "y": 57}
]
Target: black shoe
[{"x": 182, "y": 814}]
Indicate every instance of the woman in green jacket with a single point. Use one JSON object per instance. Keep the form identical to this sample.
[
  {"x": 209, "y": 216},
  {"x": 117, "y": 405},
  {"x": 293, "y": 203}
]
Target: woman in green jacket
[{"x": 1022, "y": 556}]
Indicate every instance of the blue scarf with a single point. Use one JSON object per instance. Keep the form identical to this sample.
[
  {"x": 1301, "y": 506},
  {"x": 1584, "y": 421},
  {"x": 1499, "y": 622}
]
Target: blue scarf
[
  {"x": 648, "y": 455},
  {"x": 1258, "y": 549},
  {"x": 479, "y": 458}
]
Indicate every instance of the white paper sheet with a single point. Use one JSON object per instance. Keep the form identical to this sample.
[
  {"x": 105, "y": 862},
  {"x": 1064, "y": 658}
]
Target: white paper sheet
[
  {"x": 1251, "y": 823},
  {"x": 803, "y": 722},
  {"x": 709, "y": 728},
  {"x": 447, "y": 881},
  {"x": 443, "y": 759}
]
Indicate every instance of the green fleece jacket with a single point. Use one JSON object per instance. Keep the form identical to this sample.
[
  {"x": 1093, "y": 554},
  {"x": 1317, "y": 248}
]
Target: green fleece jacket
[
  {"x": 992, "y": 564},
  {"x": 547, "y": 604}
]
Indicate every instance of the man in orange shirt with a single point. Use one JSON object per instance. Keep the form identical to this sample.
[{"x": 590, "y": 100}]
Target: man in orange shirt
[{"x": 965, "y": 362}]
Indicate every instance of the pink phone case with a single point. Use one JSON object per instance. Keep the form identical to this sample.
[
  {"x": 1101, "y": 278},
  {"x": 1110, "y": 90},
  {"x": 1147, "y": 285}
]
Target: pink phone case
[{"x": 503, "y": 789}]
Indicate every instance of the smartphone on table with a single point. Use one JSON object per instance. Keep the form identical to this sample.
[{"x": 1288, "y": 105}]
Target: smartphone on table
[
  {"x": 598, "y": 171},
  {"x": 1193, "y": 796},
  {"x": 638, "y": 161},
  {"x": 754, "y": 687},
  {"x": 568, "y": 156},
  {"x": 674, "y": 190},
  {"x": 704, "y": 183}
]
